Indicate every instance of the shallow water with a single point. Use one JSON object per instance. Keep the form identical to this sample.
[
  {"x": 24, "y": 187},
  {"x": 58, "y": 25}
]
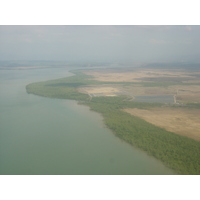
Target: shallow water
[
  {"x": 155, "y": 99},
  {"x": 51, "y": 136}
]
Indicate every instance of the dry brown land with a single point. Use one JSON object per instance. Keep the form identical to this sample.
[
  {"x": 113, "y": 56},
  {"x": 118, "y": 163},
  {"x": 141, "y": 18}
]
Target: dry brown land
[
  {"x": 106, "y": 90},
  {"x": 187, "y": 93},
  {"x": 184, "y": 93},
  {"x": 182, "y": 121},
  {"x": 136, "y": 75},
  {"x": 126, "y": 90}
]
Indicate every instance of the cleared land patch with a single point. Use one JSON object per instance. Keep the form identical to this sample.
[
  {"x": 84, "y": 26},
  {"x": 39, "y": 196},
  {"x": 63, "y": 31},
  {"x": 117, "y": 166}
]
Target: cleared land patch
[
  {"x": 143, "y": 82},
  {"x": 182, "y": 121},
  {"x": 99, "y": 90},
  {"x": 187, "y": 93},
  {"x": 138, "y": 75}
]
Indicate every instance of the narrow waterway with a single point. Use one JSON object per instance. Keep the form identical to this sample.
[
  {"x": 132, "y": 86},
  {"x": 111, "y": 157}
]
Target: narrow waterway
[{"x": 51, "y": 136}]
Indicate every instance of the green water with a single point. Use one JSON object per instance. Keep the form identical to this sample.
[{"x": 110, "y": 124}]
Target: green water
[{"x": 52, "y": 136}]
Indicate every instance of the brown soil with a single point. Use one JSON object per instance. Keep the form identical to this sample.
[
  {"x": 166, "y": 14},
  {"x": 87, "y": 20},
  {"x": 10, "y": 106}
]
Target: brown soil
[
  {"x": 184, "y": 93},
  {"x": 182, "y": 121},
  {"x": 136, "y": 75},
  {"x": 106, "y": 90}
]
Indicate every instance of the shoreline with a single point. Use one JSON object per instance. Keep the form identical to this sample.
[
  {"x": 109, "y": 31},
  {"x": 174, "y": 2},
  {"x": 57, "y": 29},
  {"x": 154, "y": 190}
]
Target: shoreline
[{"x": 159, "y": 143}]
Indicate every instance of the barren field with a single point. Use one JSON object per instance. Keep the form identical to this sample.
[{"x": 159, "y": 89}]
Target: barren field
[
  {"x": 126, "y": 90},
  {"x": 184, "y": 93},
  {"x": 140, "y": 74},
  {"x": 187, "y": 93},
  {"x": 182, "y": 121},
  {"x": 104, "y": 90}
]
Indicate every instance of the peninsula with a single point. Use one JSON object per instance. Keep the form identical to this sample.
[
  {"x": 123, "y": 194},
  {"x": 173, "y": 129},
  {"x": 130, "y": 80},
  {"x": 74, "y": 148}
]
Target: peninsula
[{"x": 155, "y": 110}]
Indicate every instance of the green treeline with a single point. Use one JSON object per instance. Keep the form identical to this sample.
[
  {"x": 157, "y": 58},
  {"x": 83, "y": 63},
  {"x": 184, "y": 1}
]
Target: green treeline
[{"x": 179, "y": 153}]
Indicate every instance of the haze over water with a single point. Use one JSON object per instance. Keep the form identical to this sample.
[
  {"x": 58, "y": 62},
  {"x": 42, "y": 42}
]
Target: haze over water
[{"x": 51, "y": 136}]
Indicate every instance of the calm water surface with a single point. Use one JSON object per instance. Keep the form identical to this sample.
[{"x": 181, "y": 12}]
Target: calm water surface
[
  {"x": 51, "y": 136},
  {"x": 155, "y": 98}
]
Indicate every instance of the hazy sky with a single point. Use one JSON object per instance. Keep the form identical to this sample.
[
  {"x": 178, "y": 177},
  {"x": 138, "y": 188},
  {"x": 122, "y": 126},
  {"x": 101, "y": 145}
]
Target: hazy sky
[{"x": 101, "y": 43}]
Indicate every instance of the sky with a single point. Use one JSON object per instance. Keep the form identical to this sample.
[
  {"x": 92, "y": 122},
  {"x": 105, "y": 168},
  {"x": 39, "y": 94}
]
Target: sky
[{"x": 131, "y": 43}]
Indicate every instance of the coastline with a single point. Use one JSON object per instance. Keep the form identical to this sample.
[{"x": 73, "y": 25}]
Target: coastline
[{"x": 157, "y": 142}]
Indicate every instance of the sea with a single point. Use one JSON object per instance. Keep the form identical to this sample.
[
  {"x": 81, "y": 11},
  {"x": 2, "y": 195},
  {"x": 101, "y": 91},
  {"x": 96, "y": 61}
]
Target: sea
[{"x": 45, "y": 136}]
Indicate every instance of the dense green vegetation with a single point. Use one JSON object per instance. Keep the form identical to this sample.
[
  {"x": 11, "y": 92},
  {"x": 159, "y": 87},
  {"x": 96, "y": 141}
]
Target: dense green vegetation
[
  {"x": 64, "y": 88},
  {"x": 193, "y": 105},
  {"x": 177, "y": 152}
]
